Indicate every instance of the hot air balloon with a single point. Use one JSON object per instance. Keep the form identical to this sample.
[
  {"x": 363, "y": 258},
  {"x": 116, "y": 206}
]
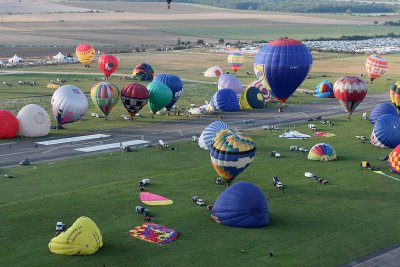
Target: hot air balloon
[
  {"x": 375, "y": 142},
  {"x": 395, "y": 95},
  {"x": 241, "y": 205},
  {"x": 210, "y": 131},
  {"x": 394, "y": 160},
  {"x": 213, "y": 72},
  {"x": 225, "y": 100},
  {"x": 134, "y": 97},
  {"x": 235, "y": 60},
  {"x": 231, "y": 153},
  {"x": 252, "y": 98},
  {"x": 108, "y": 64},
  {"x": 229, "y": 81},
  {"x": 105, "y": 96},
  {"x": 9, "y": 126},
  {"x": 143, "y": 72},
  {"x": 85, "y": 54},
  {"x": 350, "y": 92},
  {"x": 283, "y": 64},
  {"x": 82, "y": 238},
  {"x": 33, "y": 121},
  {"x": 380, "y": 109},
  {"x": 69, "y": 104},
  {"x": 322, "y": 152},
  {"x": 376, "y": 66},
  {"x": 387, "y": 130},
  {"x": 175, "y": 84},
  {"x": 160, "y": 96},
  {"x": 264, "y": 90},
  {"x": 324, "y": 89}
]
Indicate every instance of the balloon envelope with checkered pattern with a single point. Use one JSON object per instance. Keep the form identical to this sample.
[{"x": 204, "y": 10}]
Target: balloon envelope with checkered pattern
[
  {"x": 394, "y": 160},
  {"x": 134, "y": 97}
]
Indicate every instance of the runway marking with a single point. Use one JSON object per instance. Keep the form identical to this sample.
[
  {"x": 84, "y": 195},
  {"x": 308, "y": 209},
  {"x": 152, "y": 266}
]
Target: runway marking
[
  {"x": 113, "y": 145},
  {"x": 72, "y": 139}
]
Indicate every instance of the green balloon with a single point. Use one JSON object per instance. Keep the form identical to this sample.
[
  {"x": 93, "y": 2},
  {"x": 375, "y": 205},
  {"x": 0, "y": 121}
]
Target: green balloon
[{"x": 160, "y": 96}]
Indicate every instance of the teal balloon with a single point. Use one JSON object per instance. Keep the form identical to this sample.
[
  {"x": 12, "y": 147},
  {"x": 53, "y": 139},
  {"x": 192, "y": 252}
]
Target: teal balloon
[{"x": 160, "y": 96}]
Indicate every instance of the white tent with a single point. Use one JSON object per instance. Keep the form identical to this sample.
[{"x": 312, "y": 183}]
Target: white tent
[
  {"x": 294, "y": 135},
  {"x": 15, "y": 59},
  {"x": 59, "y": 57}
]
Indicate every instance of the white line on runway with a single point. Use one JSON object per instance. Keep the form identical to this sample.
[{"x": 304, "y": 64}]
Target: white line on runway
[
  {"x": 113, "y": 145},
  {"x": 72, "y": 139}
]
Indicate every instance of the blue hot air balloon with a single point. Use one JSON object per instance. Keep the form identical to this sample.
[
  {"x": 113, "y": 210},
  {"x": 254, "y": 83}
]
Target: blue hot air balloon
[
  {"x": 387, "y": 130},
  {"x": 283, "y": 64},
  {"x": 175, "y": 84},
  {"x": 380, "y": 109},
  {"x": 242, "y": 204},
  {"x": 225, "y": 100}
]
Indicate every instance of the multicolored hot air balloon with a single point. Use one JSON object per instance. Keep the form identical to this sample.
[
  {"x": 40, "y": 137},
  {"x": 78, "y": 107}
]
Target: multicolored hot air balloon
[
  {"x": 387, "y": 130},
  {"x": 85, "y": 54},
  {"x": 225, "y": 100},
  {"x": 9, "y": 125},
  {"x": 229, "y": 81},
  {"x": 69, "y": 104},
  {"x": 381, "y": 109},
  {"x": 252, "y": 98},
  {"x": 211, "y": 130},
  {"x": 395, "y": 95},
  {"x": 108, "y": 64},
  {"x": 134, "y": 97},
  {"x": 143, "y": 72},
  {"x": 350, "y": 92},
  {"x": 160, "y": 96},
  {"x": 324, "y": 89},
  {"x": 235, "y": 60},
  {"x": 264, "y": 90},
  {"x": 175, "y": 84},
  {"x": 322, "y": 152},
  {"x": 105, "y": 96},
  {"x": 33, "y": 121},
  {"x": 394, "y": 160},
  {"x": 241, "y": 205},
  {"x": 231, "y": 153},
  {"x": 283, "y": 64},
  {"x": 376, "y": 66}
]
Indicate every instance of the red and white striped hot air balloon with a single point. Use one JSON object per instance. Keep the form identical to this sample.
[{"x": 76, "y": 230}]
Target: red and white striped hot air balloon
[
  {"x": 350, "y": 92},
  {"x": 376, "y": 66}
]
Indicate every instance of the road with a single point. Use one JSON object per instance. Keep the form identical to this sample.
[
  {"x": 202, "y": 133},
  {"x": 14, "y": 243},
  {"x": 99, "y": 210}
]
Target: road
[{"x": 13, "y": 152}]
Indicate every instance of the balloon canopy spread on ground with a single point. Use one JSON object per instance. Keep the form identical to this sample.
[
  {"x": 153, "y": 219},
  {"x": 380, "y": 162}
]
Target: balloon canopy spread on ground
[
  {"x": 242, "y": 204},
  {"x": 322, "y": 152}
]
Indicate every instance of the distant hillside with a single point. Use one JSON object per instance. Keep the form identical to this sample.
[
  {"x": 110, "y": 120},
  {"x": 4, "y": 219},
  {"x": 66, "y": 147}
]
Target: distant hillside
[{"x": 298, "y": 6}]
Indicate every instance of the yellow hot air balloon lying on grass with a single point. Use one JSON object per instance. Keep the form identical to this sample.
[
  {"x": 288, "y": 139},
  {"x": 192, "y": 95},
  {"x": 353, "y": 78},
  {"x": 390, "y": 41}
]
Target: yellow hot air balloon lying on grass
[{"x": 82, "y": 238}]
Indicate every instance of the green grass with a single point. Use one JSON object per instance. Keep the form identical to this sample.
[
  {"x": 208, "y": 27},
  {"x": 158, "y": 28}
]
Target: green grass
[{"x": 311, "y": 224}]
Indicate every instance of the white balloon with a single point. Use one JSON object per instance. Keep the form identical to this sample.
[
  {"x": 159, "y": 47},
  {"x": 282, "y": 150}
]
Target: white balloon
[
  {"x": 202, "y": 144},
  {"x": 214, "y": 71},
  {"x": 33, "y": 121},
  {"x": 69, "y": 104}
]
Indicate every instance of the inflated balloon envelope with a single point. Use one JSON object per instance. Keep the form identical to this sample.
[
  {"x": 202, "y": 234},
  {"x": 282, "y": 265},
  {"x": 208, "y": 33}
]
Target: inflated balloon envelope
[
  {"x": 82, "y": 238},
  {"x": 242, "y": 204}
]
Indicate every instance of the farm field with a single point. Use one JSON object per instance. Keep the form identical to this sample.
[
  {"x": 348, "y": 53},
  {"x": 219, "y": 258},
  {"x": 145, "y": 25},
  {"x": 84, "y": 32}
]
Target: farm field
[{"x": 311, "y": 224}]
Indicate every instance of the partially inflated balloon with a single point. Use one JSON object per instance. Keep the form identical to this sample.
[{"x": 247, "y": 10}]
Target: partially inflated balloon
[
  {"x": 241, "y": 205},
  {"x": 375, "y": 66},
  {"x": 381, "y": 109},
  {"x": 82, "y": 238},
  {"x": 210, "y": 131},
  {"x": 85, "y": 53},
  {"x": 69, "y": 104},
  {"x": 213, "y": 72},
  {"x": 387, "y": 130},
  {"x": 229, "y": 81},
  {"x": 235, "y": 61},
  {"x": 324, "y": 89},
  {"x": 175, "y": 84},
  {"x": 108, "y": 64},
  {"x": 33, "y": 121},
  {"x": 134, "y": 97},
  {"x": 252, "y": 98},
  {"x": 322, "y": 152},
  {"x": 160, "y": 96},
  {"x": 225, "y": 100},
  {"x": 105, "y": 96},
  {"x": 143, "y": 72},
  {"x": 394, "y": 160},
  {"x": 231, "y": 153},
  {"x": 283, "y": 64},
  {"x": 264, "y": 90},
  {"x": 350, "y": 92},
  {"x": 9, "y": 125},
  {"x": 375, "y": 142}
]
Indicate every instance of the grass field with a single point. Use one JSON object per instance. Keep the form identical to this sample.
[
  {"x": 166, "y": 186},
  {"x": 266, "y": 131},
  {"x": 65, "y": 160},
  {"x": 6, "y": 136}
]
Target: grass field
[{"x": 311, "y": 224}]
